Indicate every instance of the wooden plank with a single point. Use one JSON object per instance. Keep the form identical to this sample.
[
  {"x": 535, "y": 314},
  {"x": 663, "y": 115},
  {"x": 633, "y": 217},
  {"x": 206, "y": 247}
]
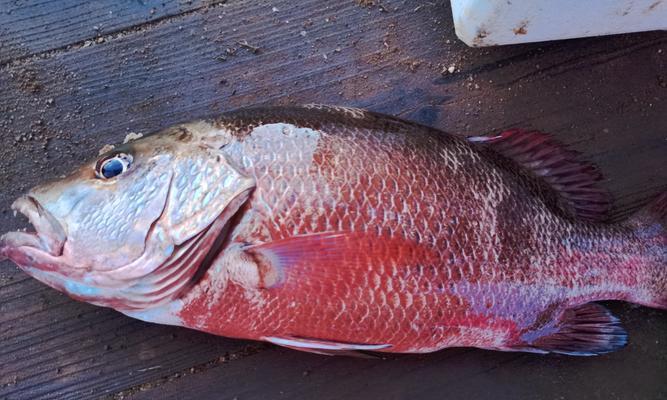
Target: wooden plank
[
  {"x": 34, "y": 27},
  {"x": 604, "y": 96},
  {"x": 53, "y": 348}
]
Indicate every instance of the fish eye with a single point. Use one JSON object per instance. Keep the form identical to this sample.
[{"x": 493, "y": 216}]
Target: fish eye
[{"x": 113, "y": 166}]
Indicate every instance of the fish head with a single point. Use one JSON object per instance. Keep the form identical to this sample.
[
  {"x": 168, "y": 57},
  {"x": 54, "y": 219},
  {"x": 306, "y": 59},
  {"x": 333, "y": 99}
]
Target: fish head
[{"x": 129, "y": 228}]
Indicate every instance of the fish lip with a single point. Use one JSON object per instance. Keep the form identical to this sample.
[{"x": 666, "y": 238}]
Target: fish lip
[{"x": 49, "y": 235}]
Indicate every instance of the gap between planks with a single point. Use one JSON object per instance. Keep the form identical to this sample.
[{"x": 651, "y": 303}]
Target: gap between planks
[
  {"x": 246, "y": 351},
  {"x": 110, "y": 36}
]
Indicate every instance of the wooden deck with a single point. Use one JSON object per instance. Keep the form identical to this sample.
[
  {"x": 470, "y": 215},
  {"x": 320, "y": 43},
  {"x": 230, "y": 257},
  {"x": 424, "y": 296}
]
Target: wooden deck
[{"x": 75, "y": 75}]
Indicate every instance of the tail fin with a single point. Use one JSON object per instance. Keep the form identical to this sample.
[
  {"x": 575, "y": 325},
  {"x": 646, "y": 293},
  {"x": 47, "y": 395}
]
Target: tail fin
[{"x": 650, "y": 226}]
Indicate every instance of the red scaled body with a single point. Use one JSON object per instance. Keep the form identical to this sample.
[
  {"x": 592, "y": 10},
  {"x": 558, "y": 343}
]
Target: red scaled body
[
  {"x": 336, "y": 230},
  {"x": 368, "y": 231}
]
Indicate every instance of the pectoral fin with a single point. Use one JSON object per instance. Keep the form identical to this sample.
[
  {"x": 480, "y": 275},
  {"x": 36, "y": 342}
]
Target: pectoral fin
[{"x": 330, "y": 256}]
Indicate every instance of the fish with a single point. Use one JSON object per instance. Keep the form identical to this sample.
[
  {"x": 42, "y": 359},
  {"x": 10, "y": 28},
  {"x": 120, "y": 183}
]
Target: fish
[{"x": 342, "y": 231}]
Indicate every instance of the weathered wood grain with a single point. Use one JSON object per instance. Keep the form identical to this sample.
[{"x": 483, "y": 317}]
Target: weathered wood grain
[
  {"x": 604, "y": 96},
  {"x": 30, "y": 28}
]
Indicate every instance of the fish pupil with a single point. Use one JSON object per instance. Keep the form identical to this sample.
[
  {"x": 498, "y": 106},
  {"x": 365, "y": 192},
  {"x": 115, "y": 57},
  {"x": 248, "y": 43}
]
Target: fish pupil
[{"x": 112, "y": 168}]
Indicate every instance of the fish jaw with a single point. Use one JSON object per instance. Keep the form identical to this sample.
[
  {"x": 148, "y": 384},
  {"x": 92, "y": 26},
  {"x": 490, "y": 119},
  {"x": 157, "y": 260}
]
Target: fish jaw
[{"x": 37, "y": 249}]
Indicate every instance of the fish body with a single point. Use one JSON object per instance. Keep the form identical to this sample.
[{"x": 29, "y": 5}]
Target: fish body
[{"x": 333, "y": 230}]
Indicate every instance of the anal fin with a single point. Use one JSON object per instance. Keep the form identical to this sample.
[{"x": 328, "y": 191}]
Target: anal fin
[{"x": 586, "y": 330}]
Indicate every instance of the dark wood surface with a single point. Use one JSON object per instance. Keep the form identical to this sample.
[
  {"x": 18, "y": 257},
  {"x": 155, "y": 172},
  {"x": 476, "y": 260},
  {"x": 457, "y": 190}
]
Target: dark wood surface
[
  {"x": 75, "y": 75},
  {"x": 48, "y": 27}
]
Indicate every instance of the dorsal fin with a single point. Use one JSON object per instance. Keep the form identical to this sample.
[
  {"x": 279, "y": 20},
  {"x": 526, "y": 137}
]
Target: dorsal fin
[{"x": 574, "y": 180}]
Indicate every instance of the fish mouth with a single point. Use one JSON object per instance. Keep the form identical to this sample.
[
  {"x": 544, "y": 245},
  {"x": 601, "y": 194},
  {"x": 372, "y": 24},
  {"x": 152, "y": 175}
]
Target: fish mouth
[{"x": 49, "y": 235}]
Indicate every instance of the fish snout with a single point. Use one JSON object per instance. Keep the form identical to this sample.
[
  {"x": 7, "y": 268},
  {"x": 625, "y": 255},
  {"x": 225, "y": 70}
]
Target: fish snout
[{"x": 49, "y": 235}]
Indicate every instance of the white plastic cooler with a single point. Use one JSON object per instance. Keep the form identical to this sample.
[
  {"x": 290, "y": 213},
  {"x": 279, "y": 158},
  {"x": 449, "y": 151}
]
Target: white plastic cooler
[{"x": 495, "y": 22}]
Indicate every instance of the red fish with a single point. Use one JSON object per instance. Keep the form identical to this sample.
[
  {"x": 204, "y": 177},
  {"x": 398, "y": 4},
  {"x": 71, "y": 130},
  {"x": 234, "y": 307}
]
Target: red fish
[{"x": 335, "y": 230}]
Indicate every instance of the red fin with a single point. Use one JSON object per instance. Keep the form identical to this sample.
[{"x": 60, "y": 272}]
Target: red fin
[
  {"x": 326, "y": 347},
  {"x": 329, "y": 255},
  {"x": 574, "y": 180},
  {"x": 586, "y": 330}
]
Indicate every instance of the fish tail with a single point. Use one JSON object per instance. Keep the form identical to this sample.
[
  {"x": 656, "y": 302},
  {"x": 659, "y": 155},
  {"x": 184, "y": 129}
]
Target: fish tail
[{"x": 650, "y": 227}]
